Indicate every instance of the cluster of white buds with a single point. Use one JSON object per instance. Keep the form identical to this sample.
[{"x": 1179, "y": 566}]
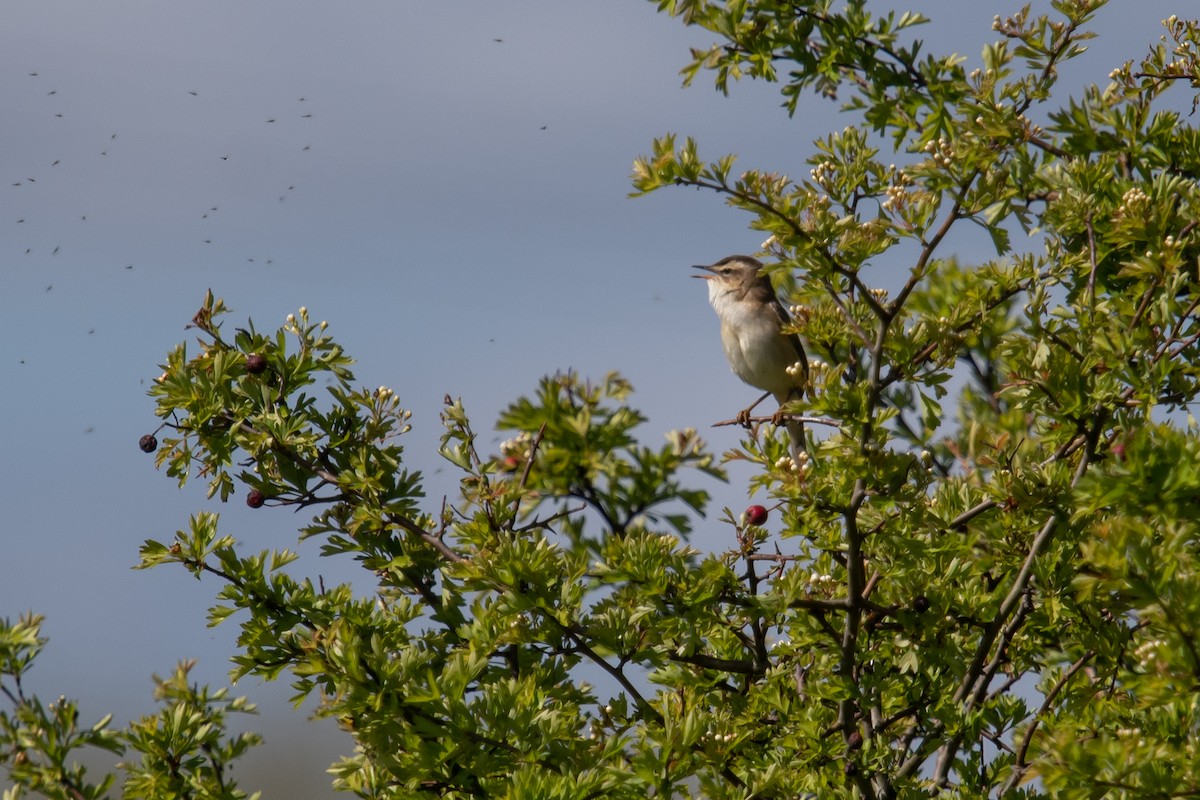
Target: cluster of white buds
[
  {"x": 796, "y": 371},
  {"x": 801, "y": 465},
  {"x": 1171, "y": 247},
  {"x": 880, "y": 294},
  {"x": 897, "y": 193},
  {"x": 1029, "y": 128},
  {"x": 518, "y": 446},
  {"x": 1011, "y": 25},
  {"x": 295, "y": 321},
  {"x": 711, "y": 736},
  {"x": 1121, "y": 73},
  {"x": 383, "y": 393},
  {"x": 1132, "y": 201},
  {"x": 821, "y": 579},
  {"x": 1147, "y": 652},
  {"x": 823, "y": 174},
  {"x": 818, "y": 374},
  {"x": 896, "y": 197},
  {"x": 1132, "y": 733},
  {"x": 941, "y": 151}
]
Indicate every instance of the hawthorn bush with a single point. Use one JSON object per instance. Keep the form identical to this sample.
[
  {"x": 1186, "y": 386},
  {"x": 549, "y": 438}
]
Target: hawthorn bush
[{"x": 981, "y": 582}]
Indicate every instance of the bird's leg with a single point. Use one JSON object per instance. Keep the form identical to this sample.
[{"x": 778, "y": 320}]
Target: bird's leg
[
  {"x": 779, "y": 417},
  {"x": 743, "y": 416}
]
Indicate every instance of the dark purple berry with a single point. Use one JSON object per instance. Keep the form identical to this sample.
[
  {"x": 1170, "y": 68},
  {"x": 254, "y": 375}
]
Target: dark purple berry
[
  {"x": 255, "y": 498},
  {"x": 148, "y": 443},
  {"x": 255, "y": 364}
]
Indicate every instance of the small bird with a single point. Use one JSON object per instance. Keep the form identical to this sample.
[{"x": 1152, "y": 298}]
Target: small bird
[{"x": 752, "y": 321}]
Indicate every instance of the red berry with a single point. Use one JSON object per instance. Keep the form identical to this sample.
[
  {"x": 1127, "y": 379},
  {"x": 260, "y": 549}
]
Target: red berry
[
  {"x": 510, "y": 463},
  {"x": 756, "y": 515},
  {"x": 1118, "y": 451},
  {"x": 255, "y": 364},
  {"x": 148, "y": 443},
  {"x": 255, "y": 498}
]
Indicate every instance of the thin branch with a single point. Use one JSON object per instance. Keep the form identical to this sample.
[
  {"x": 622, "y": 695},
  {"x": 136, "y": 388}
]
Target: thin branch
[
  {"x": 913, "y": 75},
  {"x": 928, "y": 248},
  {"x": 832, "y": 423},
  {"x": 720, "y": 664},
  {"x": 1020, "y": 765},
  {"x": 1005, "y": 623},
  {"x": 846, "y": 315}
]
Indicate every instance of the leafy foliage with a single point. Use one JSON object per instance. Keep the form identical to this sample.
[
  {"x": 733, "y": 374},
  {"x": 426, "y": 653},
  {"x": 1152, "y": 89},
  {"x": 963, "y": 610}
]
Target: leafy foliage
[
  {"x": 1025, "y": 539},
  {"x": 184, "y": 750},
  {"x": 980, "y": 580}
]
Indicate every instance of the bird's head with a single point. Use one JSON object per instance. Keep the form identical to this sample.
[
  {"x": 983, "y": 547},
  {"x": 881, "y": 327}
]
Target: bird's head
[{"x": 731, "y": 274}]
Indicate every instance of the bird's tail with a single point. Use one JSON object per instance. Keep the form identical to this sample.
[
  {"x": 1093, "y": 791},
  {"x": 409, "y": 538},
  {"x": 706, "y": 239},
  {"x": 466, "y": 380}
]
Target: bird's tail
[{"x": 795, "y": 430}]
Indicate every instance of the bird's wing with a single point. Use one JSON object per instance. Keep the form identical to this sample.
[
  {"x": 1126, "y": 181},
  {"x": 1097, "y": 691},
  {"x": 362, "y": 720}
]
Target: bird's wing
[{"x": 785, "y": 319}]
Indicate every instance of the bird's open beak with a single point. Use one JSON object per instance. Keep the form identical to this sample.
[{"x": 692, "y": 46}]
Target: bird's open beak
[{"x": 704, "y": 267}]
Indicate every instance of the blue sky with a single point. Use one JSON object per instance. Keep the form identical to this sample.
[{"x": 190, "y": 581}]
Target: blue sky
[{"x": 454, "y": 206}]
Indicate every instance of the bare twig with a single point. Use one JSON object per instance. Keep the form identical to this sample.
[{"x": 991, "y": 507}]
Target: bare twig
[
  {"x": 1020, "y": 765},
  {"x": 832, "y": 423}
]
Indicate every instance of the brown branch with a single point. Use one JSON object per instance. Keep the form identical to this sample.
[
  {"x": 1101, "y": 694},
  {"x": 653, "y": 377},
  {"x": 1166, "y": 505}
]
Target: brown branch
[
  {"x": 1042, "y": 144},
  {"x": 1020, "y": 765},
  {"x": 850, "y": 320},
  {"x": 1007, "y": 619},
  {"x": 832, "y": 423},
  {"x": 928, "y": 248},
  {"x": 720, "y": 664},
  {"x": 913, "y": 74},
  {"x": 331, "y": 477}
]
